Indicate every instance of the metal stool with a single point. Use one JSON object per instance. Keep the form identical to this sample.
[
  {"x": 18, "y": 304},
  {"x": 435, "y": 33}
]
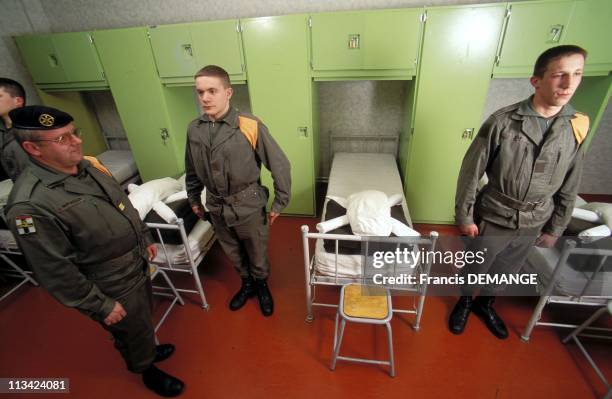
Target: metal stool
[
  {"x": 154, "y": 271},
  {"x": 367, "y": 305},
  {"x": 574, "y": 336}
]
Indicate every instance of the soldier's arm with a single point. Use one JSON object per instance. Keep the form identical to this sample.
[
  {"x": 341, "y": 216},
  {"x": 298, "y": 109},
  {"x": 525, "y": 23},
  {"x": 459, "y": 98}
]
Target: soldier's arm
[
  {"x": 565, "y": 198},
  {"x": 49, "y": 252},
  {"x": 473, "y": 168},
  {"x": 275, "y": 160},
  {"x": 192, "y": 182}
]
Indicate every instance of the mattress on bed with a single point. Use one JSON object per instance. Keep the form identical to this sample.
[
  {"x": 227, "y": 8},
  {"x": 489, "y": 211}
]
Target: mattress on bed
[
  {"x": 120, "y": 163},
  {"x": 574, "y": 275},
  {"x": 352, "y": 173}
]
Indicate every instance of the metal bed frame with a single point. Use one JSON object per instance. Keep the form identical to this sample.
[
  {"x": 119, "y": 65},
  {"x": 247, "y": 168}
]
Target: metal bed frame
[
  {"x": 191, "y": 266},
  {"x": 552, "y": 294},
  {"x": 15, "y": 270},
  {"x": 313, "y": 279}
]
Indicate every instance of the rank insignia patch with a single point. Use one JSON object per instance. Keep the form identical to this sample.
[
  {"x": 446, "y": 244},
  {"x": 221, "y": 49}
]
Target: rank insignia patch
[
  {"x": 25, "y": 224},
  {"x": 121, "y": 206}
]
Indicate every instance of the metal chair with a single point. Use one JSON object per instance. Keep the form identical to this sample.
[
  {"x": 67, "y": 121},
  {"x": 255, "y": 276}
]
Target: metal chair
[
  {"x": 155, "y": 271},
  {"x": 578, "y": 330},
  {"x": 366, "y": 305}
]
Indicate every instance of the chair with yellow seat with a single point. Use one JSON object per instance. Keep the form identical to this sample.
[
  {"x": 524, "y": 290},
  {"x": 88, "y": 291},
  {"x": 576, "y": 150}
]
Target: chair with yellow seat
[{"x": 367, "y": 305}]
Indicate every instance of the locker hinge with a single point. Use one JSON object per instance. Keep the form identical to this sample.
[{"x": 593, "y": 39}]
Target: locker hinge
[
  {"x": 310, "y": 22},
  {"x": 90, "y": 39},
  {"x": 148, "y": 34},
  {"x": 242, "y": 67},
  {"x": 497, "y": 59},
  {"x": 238, "y": 27},
  {"x": 508, "y": 13},
  {"x": 423, "y": 17},
  {"x": 103, "y": 75}
]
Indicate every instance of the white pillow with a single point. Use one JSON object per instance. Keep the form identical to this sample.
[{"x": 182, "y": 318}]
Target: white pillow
[
  {"x": 144, "y": 196},
  {"x": 369, "y": 213}
]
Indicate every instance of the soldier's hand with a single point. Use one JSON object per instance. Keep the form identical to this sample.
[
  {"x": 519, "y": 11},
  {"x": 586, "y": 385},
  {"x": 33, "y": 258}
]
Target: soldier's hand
[
  {"x": 272, "y": 217},
  {"x": 470, "y": 230},
  {"x": 197, "y": 209},
  {"x": 152, "y": 251},
  {"x": 115, "y": 315},
  {"x": 546, "y": 240}
]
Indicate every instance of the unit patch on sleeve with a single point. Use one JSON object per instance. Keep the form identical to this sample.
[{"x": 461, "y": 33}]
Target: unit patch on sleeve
[{"x": 25, "y": 224}]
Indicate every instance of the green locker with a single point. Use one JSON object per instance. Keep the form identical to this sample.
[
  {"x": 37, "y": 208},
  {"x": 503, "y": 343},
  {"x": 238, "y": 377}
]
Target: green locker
[
  {"x": 181, "y": 50},
  {"x": 173, "y": 50},
  {"x": 369, "y": 41},
  {"x": 280, "y": 89},
  {"x": 459, "y": 48},
  {"x": 591, "y": 28},
  {"x": 41, "y": 58},
  {"x": 133, "y": 80},
  {"x": 532, "y": 28},
  {"x": 78, "y": 57},
  {"x": 218, "y": 43}
]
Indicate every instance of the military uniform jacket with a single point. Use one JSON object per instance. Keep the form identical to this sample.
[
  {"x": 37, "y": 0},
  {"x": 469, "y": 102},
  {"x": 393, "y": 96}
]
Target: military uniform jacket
[
  {"x": 540, "y": 172},
  {"x": 229, "y": 166},
  {"x": 85, "y": 244},
  {"x": 13, "y": 158}
]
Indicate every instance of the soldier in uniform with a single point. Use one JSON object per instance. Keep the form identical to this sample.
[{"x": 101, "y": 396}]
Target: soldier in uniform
[
  {"x": 225, "y": 150},
  {"x": 531, "y": 152},
  {"x": 12, "y": 157},
  {"x": 84, "y": 241}
]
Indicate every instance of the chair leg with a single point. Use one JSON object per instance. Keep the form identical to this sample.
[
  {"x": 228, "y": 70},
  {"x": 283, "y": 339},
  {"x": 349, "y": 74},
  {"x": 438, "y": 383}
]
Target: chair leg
[
  {"x": 390, "y": 342},
  {"x": 338, "y": 344}
]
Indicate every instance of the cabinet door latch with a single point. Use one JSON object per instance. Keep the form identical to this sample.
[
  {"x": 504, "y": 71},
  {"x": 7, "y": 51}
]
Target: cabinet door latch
[{"x": 164, "y": 135}]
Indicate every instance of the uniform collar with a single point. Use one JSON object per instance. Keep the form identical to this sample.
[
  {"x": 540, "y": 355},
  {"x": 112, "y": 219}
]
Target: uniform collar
[
  {"x": 49, "y": 176},
  {"x": 526, "y": 109},
  {"x": 231, "y": 117}
]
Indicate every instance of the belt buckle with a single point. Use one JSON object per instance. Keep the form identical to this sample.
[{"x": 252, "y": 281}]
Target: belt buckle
[{"x": 533, "y": 204}]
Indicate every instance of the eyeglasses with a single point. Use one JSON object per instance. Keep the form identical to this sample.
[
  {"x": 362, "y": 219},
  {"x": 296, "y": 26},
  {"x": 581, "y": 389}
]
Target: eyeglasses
[{"x": 65, "y": 138}]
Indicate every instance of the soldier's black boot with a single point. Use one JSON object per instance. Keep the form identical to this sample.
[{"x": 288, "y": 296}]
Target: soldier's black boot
[
  {"x": 459, "y": 316},
  {"x": 483, "y": 307},
  {"x": 265, "y": 297},
  {"x": 247, "y": 290},
  {"x": 162, "y": 383},
  {"x": 162, "y": 352}
]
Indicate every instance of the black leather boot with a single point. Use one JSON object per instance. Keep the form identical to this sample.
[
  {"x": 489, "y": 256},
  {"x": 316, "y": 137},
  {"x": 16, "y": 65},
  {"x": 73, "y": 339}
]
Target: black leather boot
[
  {"x": 247, "y": 290},
  {"x": 459, "y": 316},
  {"x": 162, "y": 383},
  {"x": 483, "y": 308},
  {"x": 162, "y": 352},
  {"x": 265, "y": 297}
]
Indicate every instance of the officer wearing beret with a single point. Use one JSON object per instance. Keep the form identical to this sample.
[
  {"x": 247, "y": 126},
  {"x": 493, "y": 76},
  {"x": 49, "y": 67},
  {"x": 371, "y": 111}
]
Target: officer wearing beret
[
  {"x": 84, "y": 241},
  {"x": 12, "y": 157},
  {"x": 532, "y": 154}
]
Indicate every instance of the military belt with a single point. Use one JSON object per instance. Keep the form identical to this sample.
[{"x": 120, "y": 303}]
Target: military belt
[
  {"x": 236, "y": 198},
  {"x": 523, "y": 206},
  {"x": 126, "y": 258}
]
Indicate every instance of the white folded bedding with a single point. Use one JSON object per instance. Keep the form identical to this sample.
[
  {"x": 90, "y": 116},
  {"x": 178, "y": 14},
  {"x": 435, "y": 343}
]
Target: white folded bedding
[{"x": 199, "y": 237}]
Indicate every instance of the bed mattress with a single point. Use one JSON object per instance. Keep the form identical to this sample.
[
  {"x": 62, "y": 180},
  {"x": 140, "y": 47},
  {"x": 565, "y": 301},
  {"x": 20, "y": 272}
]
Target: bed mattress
[
  {"x": 352, "y": 173},
  {"x": 120, "y": 163}
]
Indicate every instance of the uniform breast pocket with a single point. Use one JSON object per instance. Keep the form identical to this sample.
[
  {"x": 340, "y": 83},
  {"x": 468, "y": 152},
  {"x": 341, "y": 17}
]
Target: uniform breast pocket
[
  {"x": 554, "y": 169},
  {"x": 91, "y": 224}
]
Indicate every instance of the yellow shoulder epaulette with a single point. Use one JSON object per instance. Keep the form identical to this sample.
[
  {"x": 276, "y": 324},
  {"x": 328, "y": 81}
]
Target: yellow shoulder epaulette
[
  {"x": 96, "y": 164},
  {"x": 248, "y": 127},
  {"x": 580, "y": 126}
]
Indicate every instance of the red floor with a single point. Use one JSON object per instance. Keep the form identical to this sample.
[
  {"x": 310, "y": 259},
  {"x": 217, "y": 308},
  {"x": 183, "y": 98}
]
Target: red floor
[{"x": 224, "y": 354}]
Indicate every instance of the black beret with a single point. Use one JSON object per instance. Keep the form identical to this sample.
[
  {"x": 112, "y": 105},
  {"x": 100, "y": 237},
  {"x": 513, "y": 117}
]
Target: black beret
[{"x": 39, "y": 117}]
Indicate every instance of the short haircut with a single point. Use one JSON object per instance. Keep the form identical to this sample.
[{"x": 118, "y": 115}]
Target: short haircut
[
  {"x": 14, "y": 88},
  {"x": 216, "y": 72},
  {"x": 555, "y": 52},
  {"x": 26, "y": 135}
]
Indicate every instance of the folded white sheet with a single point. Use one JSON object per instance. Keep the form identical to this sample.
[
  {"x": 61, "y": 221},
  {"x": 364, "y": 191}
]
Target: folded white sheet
[
  {"x": 199, "y": 236},
  {"x": 595, "y": 233},
  {"x": 332, "y": 224},
  {"x": 586, "y": 215}
]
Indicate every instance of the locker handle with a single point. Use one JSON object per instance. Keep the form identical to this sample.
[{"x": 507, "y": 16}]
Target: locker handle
[
  {"x": 554, "y": 35},
  {"x": 468, "y": 133},
  {"x": 187, "y": 49},
  {"x": 302, "y": 131},
  {"x": 53, "y": 60},
  {"x": 164, "y": 135}
]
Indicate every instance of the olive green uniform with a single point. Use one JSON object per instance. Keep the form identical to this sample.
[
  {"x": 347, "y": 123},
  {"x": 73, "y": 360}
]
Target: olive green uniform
[
  {"x": 13, "y": 158},
  {"x": 225, "y": 156},
  {"x": 534, "y": 167},
  {"x": 86, "y": 245}
]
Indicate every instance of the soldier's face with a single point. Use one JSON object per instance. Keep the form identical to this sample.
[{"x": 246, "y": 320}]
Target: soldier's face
[
  {"x": 8, "y": 102},
  {"x": 60, "y": 155},
  {"x": 560, "y": 81},
  {"x": 214, "y": 97}
]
